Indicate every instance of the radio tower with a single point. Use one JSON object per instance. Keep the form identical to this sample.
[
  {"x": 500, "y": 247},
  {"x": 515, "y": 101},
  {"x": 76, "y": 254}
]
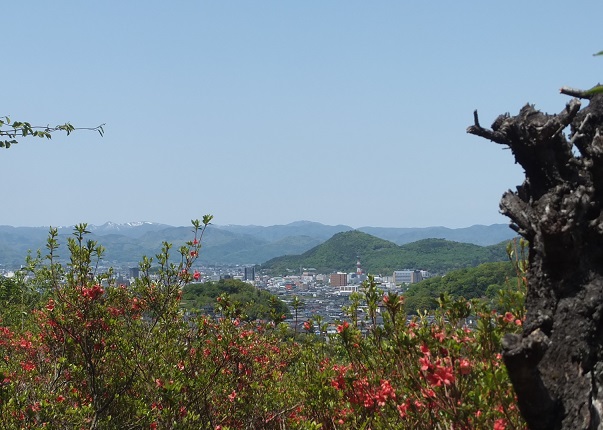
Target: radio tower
[{"x": 358, "y": 267}]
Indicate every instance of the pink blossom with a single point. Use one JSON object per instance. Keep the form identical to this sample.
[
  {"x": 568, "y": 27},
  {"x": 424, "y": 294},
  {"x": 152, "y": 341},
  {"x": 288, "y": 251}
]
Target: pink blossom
[
  {"x": 464, "y": 366},
  {"x": 500, "y": 424},
  {"x": 50, "y": 305},
  {"x": 342, "y": 327}
]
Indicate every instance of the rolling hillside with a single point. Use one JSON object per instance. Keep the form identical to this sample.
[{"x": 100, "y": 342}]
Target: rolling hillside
[{"x": 379, "y": 256}]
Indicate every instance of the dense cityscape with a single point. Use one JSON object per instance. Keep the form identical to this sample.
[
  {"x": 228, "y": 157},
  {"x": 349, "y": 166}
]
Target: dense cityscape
[{"x": 323, "y": 295}]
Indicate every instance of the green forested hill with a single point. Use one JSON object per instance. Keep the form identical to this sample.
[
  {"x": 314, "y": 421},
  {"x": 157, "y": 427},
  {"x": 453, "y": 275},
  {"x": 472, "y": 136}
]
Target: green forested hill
[
  {"x": 256, "y": 304},
  {"x": 336, "y": 254},
  {"x": 473, "y": 282},
  {"x": 379, "y": 256}
]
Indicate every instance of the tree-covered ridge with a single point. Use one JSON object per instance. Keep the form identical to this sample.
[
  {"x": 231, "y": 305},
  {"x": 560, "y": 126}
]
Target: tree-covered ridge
[
  {"x": 255, "y": 303},
  {"x": 482, "y": 281},
  {"x": 341, "y": 252}
]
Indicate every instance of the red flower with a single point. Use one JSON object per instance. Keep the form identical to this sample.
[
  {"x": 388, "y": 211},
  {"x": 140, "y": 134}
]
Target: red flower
[
  {"x": 50, "y": 305},
  {"x": 24, "y": 343},
  {"x": 402, "y": 409},
  {"x": 500, "y": 424},
  {"x": 464, "y": 366},
  {"x": 92, "y": 293},
  {"x": 424, "y": 362},
  {"x": 115, "y": 312},
  {"x": 509, "y": 317},
  {"x": 307, "y": 326},
  {"x": 424, "y": 349},
  {"x": 428, "y": 393},
  {"x": 28, "y": 366},
  {"x": 386, "y": 391},
  {"x": 342, "y": 327},
  {"x": 445, "y": 373},
  {"x": 197, "y": 275},
  {"x": 232, "y": 396}
]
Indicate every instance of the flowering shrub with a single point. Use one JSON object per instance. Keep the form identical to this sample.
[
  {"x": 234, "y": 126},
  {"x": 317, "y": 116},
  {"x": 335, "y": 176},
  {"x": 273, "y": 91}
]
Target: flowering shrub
[
  {"x": 97, "y": 355},
  {"x": 441, "y": 372}
]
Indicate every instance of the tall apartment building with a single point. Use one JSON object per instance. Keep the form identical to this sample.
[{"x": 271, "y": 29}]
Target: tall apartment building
[
  {"x": 338, "y": 279},
  {"x": 134, "y": 272},
  {"x": 249, "y": 274}
]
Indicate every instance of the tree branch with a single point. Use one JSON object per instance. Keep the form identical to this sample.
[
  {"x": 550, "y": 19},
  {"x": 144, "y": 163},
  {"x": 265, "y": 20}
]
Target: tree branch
[
  {"x": 11, "y": 130},
  {"x": 478, "y": 130},
  {"x": 582, "y": 94}
]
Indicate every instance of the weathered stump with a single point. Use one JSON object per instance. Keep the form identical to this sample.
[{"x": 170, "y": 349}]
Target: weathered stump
[{"x": 556, "y": 364}]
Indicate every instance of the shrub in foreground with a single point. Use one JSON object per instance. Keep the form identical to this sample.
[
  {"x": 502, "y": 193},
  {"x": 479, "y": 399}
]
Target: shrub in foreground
[{"x": 97, "y": 355}]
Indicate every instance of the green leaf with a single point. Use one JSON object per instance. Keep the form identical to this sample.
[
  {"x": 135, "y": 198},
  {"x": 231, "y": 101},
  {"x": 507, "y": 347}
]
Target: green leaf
[
  {"x": 598, "y": 53},
  {"x": 597, "y": 89}
]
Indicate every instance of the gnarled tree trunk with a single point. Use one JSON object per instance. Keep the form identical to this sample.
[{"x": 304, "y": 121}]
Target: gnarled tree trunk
[{"x": 556, "y": 365}]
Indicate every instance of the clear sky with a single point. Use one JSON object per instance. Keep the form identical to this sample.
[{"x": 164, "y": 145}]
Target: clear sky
[{"x": 267, "y": 112}]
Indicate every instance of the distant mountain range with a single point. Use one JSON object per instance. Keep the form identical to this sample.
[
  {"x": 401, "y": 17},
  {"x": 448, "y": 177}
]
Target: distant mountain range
[{"x": 228, "y": 244}]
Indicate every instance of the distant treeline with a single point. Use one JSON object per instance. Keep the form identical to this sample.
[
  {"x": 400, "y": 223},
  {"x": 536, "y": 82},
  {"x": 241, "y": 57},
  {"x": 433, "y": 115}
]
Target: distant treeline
[
  {"x": 254, "y": 303},
  {"x": 483, "y": 281}
]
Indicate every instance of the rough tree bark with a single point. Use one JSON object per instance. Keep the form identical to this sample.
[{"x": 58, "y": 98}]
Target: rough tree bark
[{"x": 556, "y": 364}]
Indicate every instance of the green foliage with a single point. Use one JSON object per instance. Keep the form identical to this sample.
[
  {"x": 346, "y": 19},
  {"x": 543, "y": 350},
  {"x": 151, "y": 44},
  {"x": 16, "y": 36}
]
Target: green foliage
[
  {"x": 10, "y": 131},
  {"x": 475, "y": 282},
  {"x": 252, "y": 302},
  {"x": 17, "y": 300}
]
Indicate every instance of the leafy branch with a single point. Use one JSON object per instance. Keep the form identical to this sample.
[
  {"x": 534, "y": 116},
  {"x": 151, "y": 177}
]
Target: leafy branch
[{"x": 11, "y": 130}]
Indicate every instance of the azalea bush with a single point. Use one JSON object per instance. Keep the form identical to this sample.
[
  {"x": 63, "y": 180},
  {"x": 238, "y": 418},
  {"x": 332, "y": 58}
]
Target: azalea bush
[
  {"x": 88, "y": 353},
  {"x": 439, "y": 371}
]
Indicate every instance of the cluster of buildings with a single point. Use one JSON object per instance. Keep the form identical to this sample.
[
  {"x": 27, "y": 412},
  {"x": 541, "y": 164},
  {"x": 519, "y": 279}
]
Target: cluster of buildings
[
  {"x": 323, "y": 295},
  {"x": 349, "y": 282}
]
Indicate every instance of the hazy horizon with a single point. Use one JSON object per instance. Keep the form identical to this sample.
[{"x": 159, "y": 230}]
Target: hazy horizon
[{"x": 251, "y": 225}]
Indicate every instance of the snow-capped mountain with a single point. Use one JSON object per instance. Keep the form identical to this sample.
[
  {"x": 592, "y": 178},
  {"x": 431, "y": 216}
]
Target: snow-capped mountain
[{"x": 129, "y": 229}]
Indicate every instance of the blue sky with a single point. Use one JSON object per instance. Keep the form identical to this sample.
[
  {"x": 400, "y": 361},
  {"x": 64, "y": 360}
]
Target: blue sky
[{"x": 267, "y": 112}]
